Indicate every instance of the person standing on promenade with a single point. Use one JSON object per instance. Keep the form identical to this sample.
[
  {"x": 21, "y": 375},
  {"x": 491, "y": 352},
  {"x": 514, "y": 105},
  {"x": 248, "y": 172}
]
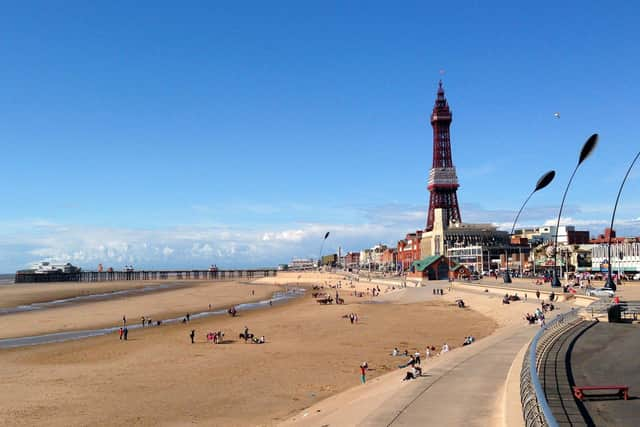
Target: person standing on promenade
[
  {"x": 126, "y": 333},
  {"x": 363, "y": 372},
  {"x": 193, "y": 335}
]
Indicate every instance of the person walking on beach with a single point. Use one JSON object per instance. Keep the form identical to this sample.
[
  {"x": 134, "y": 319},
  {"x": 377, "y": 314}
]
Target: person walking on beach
[
  {"x": 143, "y": 319},
  {"x": 192, "y": 335},
  {"x": 538, "y": 294},
  {"x": 126, "y": 333},
  {"x": 188, "y": 316},
  {"x": 124, "y": 320},
  {"x": 363, "y": 372},
  {"x": 121, "y": 332}
]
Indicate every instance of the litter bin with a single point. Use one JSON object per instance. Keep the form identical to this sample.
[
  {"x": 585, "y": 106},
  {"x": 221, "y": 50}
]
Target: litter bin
[{"x": 614, "y": 313}]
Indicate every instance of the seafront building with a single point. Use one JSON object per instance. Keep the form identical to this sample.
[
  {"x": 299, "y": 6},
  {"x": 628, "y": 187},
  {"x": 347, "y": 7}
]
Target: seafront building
[
  {"x": 302, "y": 264},
  {"x": 625, "y": 253},
  {"x": 567, "y": 235}
]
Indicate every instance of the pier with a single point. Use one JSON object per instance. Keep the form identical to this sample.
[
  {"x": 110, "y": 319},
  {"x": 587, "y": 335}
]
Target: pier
[{"x": 108, "y": 276}]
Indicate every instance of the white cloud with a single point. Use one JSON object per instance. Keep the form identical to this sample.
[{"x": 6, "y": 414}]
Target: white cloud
[
  {"x": 198, "y": 246},
  {"x": 167, "y": 251}
]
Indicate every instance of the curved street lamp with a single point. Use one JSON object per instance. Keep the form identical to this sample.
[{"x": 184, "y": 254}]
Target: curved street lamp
[
  {"x": 587, "y": 149},
  {"x": 610, "y": 282},
  {"x": 542, "y": 182},
  {"x": 321, "y": 247}
]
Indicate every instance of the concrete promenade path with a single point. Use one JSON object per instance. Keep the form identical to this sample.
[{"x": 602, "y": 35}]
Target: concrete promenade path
[
  {"x": 466, "y": 390},
  {"x": 464, "y": 387}
]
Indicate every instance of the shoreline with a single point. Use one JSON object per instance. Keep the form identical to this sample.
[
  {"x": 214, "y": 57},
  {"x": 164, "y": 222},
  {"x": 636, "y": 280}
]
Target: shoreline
[
  {"x": 61, "y": 337},
  {"x": 171, "y": 303}
]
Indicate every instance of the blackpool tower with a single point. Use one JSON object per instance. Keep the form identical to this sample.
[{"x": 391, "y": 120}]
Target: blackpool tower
[{"x": 443, "y": 181}]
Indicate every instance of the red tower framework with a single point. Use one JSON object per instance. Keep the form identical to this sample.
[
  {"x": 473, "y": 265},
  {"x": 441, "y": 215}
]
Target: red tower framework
[{"x": 443, "y": 181}]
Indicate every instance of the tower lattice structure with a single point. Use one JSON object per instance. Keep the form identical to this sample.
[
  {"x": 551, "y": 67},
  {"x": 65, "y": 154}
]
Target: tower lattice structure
[{"x": 443, "y": 181}]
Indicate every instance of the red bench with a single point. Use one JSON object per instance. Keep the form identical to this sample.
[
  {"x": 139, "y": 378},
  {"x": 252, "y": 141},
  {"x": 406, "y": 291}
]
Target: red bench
[{"x": 623, "y": 390}]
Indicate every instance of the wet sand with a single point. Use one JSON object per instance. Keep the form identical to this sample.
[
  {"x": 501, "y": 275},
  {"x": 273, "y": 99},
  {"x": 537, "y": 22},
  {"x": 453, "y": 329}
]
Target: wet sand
[
  {"x": 159, "y": 378},
  {"x": 159, "y": 305},
  {"x": 28, "y": 293}
]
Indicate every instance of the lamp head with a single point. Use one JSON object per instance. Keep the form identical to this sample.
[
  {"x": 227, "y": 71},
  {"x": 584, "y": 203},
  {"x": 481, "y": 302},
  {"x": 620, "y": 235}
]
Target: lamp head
[
  {"x": 588, "y": 147},
  {"x": 545, "y": 180}
]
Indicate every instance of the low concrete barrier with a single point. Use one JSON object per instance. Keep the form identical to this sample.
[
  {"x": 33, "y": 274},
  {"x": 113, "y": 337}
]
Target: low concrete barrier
[{"x": 581, "y": 300}]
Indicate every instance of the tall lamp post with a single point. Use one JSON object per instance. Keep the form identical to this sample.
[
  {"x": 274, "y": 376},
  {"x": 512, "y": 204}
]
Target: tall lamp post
[
  {"x": 321, "y": 247},
  {"x": 587, "y": 149},
  {"x": 542, "y": 182},
  {"x": 610, "y": 283}
]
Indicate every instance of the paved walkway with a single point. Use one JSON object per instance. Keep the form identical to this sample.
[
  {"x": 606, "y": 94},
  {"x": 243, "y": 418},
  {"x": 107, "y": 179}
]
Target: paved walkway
[{"x": 463, "y": 391}]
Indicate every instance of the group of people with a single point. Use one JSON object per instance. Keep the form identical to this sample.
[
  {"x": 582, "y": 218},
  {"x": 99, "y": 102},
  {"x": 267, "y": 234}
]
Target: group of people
[
  {"x": 538, "y": 315},
  {"x": 374, "y": 291},
  {"x": 468, "y": 340},
  {"x": 215, "y": 337},
  {"x": 438, "y": 291},
  {"x": 414, "y": 364},
  {"x": 353, "y": 317},
  {"x": 414, "y": 361},
  {"x": 124, "y": 333},
  {"x": 508, "y": 298},
  {"x": 146, "y": 321}
]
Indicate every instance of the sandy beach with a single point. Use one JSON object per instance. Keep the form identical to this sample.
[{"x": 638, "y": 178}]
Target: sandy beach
[
  {"x": 29, "y": 293},
  {"x": 158, "y": 377}
]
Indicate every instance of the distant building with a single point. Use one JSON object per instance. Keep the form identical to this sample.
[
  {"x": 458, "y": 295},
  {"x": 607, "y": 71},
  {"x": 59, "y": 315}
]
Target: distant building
[
  {"x": 352, "y": 260},
  {"x": 389, "y": 260},
  {"x": 431, "y": 268},
  {"x": 408, "y": 250},
  {"x": 365, "y": 258},
  {"x": 479, "y": 247},
  {"x": 329, "y": 260},
  {"x": 567, "y": 235},
  {"x": 625, "y": 253},
  {"x": 302, "y": 264}
]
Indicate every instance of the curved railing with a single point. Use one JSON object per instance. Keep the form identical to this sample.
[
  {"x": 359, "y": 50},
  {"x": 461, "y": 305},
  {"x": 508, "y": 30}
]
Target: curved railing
[{"x": 535, "y": 408}]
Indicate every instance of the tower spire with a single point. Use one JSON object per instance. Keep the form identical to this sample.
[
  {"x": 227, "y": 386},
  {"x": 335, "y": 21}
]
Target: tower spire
[{"x": 443, "y": 181}]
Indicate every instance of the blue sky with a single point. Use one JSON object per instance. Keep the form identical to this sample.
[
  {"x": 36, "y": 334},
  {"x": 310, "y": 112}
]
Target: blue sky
[{"x": 171, "y": 135}]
